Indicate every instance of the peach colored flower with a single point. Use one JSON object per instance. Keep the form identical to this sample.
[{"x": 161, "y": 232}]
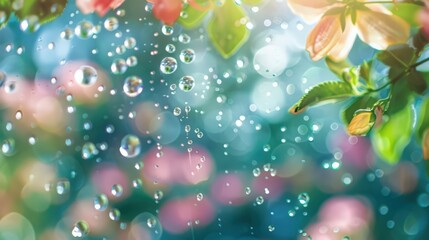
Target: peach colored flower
[
  {"x": 340, "y": 21},
  {"x": 99, "y": 6},
  {"x": 424, "y": 19}
]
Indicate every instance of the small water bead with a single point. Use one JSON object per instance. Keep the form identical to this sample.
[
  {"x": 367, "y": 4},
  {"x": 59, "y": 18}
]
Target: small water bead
[
  {"x": 187, "y": 55},
  {"x": 118, "y": 66},
  {"x": 80, "y": 229},
  {"x": 120, "y": 49},
  {"x": 85, "y": 75},
  {"x": 200, "y": 135},
  {"x": 168, "y": 65},
  {"x": 8, "y": 147},
  {"x": 259, "y": 200},
  {"x": 30, "y": 24},
  {"x": 170, "y": 48},
  {"x": 291, "y": 213},
  {"x": 247, "y": 190},
  {"x": 271, "y": 228},
  {"x": 133, "y": 86},
  {"x": 62, "y": 187},
  {"x": 303, "y": 199},
  {"x": 184, "y": 38},
  {"x": 18, "y": 115},
  {"x": 256, "y": 172},
  {"x": 111, "y": 24},
  {"x": 139, "y": 165},
  {"x": 186, "y": 83},
  {"x": 67, "y": 34},
  {"x": 130, "y": 146},
  {"x": 346, "y": 238},
  {"x": 158, "y": 195},
  {"x": 151, "y": 222},
  {"x": 89, "y": 150},
  {"x": 177, "y": 111},
  {"x": 167, "y": 30},
  {"x": 130, "y": 42},
  {"x": 32, "y": 140},
  {"x": 131, "y": 61},
  {"x": 114, "y": 214},
  {"x": 200, "y": 197},
  {"x": 137, "y": 183},
  {"x": 120, "y": 12},
  {"x": 84, "y": 29},
  {"x": 100, "y": 202},
  {"x": 117, "y": 190}
]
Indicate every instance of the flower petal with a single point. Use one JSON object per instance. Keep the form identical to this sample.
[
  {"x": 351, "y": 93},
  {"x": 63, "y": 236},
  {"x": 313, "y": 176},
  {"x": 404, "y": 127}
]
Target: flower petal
[
  {"x": 324, "y": 37},
  {"x": 342, "y": 49},
  {"x": 380, "y": 30},
  {"x": 309, "y": 10}
]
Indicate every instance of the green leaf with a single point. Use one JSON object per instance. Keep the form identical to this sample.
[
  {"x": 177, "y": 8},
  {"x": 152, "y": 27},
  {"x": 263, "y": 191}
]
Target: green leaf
[
  {"x": 337, "y": 67},
  {"x": 193, "y": 17},
  {"x": 398, "y": 56},
  {"x": 45, "y": 10},
  {"x": 399, "y": 97},
  {"x": 366, "y": 101},
  {"x": 408, "y": 12},
  {"x": 323, "y": 92},
  {"x": 5, "y": 7},
  {"x": 227, "y": 28},
  {"x": 394, "y": 135},
  {"x": 423, "y": 122},
  {"x": 416, "y": 82},
  {"x": 365, "y": 72}
]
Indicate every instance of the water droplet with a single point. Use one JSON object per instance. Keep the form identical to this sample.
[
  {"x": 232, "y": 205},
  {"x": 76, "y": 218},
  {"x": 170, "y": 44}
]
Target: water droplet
[
  {"x": 130, "y": 42},
  {"x": 168, "y": 65},
  {"x": 118, "y": 66},
  {"x": 184, "y": 38},
  {"x": 131, "y": 61},
  {"x": 291, "y": 213},
  {"x": 111, "y": 23},
  {"x": 151, "y": 222},
  {"x": 85, "y": 75},
  {"x": 170, "y": 48},
  {"x": 100, "y": 202},
  {"x": 30, "y": 24},
  {"x": 114, "y": 214},
  {"x": 271, "y": 228},
  {"x": 133, "y": 86},
  {"x": 130, "y": 146},
  {"x": 259, "y": 200},
  {"x": 158, "y": 195},
  {"x": 187, "y": 55},
  {"x": 200, "y": 197},
  {"x": 84, "y": 29},
  {"x": 186, "y": 83},
  {"x": 177, "y": 111},
  {"x": 18, "y": 115},
  {"x": 63, "y": 187},
  {"x": 80, "y": 229},
  {"x": 117, "y": 190},
  {"x": 67, "y": 34},
  {"x": 89, "y": 150},
  {"x": 256, "y": 172},
  {"x": 8, "y": 147},
  {"x": 167, "y": 30},
  {"x": 303, "y": 199}
]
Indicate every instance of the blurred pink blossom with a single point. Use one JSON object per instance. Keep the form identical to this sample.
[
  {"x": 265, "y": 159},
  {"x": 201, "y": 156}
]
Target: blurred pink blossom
[{"x": 99, "y": 6}]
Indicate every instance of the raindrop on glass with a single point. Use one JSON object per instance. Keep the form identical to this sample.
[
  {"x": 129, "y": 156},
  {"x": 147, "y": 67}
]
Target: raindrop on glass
[
  {"x": 80, "y": 229},
  {"x": 187, "y": 55},
  {"x": 303, "y": 198},
  {"x": 84, "y": 29},
  {"x": 117, "y": 190},
  {"x": 111, "y": 24}
]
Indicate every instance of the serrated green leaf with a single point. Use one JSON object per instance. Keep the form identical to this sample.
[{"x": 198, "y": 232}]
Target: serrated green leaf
[
  {"x": 45, "y": 10},
  {"x": 423, "y": 122},
  {"x": 227, "y": 29},
  {"x": 362, "y": 102},
  {"x": 408, "y": 12},
  {"x": 326, "y": 91},
  {"x": 398, "y": 56},
  {"x": 394, "y": 135},
  {"x": 6, "y": 9},
  {"x": 338, "y": 67},
  {"x": 193, "y": 17}
]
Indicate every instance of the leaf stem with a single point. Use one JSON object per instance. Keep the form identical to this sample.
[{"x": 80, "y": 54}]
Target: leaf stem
[
  {"x": 419, "y": 3},
  {"x": 419, "y": 63}
]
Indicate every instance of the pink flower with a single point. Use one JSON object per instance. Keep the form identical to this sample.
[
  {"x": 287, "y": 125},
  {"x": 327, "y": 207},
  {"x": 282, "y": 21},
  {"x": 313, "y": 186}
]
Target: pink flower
[
  {"x": 99, "y": 6},
  {"x": 339, "y": 22}
]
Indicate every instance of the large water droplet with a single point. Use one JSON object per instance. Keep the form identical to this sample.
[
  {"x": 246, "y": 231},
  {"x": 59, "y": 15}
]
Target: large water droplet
[
  {"x": 84, "y": 29},
  {"x": 133, "y": 86},
  {"x": 187, "y": 55},
  {"x": 186, "y": 83},
  {"x": 168, "y": 65},
  {"x": 80, "y": 229},
  {"x": 101, "y": 202},
  {"x": 85, "y": 75},
  {"x": 130, "y": 146}
]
